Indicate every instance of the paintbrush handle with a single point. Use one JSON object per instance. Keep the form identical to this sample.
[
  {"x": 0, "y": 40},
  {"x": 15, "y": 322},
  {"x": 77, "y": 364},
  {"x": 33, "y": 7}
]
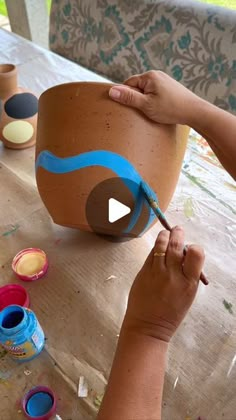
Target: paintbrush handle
[
  {"x": 203, "y": 279},
  {"x": 167, "y": 226},
  {"x": 161, "y": 217},
  {"x": 164, "y": 223}
]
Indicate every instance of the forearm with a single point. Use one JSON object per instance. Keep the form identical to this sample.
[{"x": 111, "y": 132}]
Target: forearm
[
  {"x": 136, "y": 381},
  {"x": 218, "y": 127}
]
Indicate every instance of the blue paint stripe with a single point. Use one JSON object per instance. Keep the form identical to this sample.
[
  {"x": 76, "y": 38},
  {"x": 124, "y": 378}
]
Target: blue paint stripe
[{"x": 110, "y": 160}]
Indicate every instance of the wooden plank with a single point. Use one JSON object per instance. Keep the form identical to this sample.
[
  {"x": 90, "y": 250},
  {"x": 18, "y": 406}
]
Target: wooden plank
[{"x": 29, "y": 18}]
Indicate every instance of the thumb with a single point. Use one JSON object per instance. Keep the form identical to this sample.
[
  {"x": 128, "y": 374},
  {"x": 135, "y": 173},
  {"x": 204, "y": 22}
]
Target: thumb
[{"x": 128, "y": 96}]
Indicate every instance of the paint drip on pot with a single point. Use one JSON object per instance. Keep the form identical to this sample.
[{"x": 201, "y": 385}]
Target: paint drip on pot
[{"x": 20, "y": 333}]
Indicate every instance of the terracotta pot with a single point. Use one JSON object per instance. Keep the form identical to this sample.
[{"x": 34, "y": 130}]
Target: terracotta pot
[
  {"x": 18, "y": 111},
  {"x": 90, "y": 148}
]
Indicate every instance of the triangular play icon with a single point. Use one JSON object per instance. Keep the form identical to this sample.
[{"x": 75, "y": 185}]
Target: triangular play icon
[{"x": 116, "y": 210}]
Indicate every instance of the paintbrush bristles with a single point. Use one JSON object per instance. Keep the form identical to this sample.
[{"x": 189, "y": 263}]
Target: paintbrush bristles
[
  {"x": 153, "y": 204},
  {"x": 156, "y": 209}
]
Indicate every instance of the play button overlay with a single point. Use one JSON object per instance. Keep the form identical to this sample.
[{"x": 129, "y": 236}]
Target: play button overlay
[{"x": 116, "y": 210}]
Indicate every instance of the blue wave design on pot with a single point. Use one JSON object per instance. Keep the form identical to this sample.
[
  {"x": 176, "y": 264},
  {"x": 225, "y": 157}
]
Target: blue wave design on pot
[{"x": 110, "y": 160}]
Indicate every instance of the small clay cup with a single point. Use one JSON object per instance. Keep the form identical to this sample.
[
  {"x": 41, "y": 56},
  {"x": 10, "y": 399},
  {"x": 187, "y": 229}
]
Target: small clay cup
[
  {"x": 80, "y": 118},
  {"x": 18, "y": 111}
]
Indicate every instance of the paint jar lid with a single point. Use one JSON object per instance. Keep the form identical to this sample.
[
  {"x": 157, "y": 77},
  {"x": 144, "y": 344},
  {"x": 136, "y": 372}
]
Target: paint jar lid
[
  {"x": 13, "y": 294},
  {"x": 30, "y": 264},
  {"x": 39, "y": 403}
]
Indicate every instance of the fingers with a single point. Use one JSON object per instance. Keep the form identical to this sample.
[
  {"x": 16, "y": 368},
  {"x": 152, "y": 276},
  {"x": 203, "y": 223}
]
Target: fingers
[
  {"x": 127, "y": 96},
  {"x": 136, "y": 81},
  {"x": 174, "y": 254},
  {"x": 193, "y": 262},
  {"x": 160, "y": 249},
  {"x": 146, "y": 82}
]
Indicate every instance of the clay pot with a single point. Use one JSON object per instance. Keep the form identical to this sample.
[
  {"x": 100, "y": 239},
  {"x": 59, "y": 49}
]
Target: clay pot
[
  {"x": 18, "y": 111},
  {"x": 90, "y": 148}
]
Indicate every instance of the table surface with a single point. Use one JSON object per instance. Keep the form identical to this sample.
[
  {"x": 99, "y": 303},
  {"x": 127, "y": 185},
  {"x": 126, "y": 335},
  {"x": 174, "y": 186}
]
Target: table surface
[{"x": 81, "y": 307}]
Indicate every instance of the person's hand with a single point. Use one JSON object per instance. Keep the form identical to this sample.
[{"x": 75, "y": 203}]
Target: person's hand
[
  {"x": 164, "y": 289},
  {"x": 158, "y": 96}
]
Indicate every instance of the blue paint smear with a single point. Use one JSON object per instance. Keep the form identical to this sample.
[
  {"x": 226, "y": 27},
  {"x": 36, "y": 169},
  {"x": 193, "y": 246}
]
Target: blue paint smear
[{"x": 110, "y": 160}]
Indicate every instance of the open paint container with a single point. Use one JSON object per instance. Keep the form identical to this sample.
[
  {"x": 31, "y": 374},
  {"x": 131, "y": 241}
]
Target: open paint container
[
  {"x": 30, "y": 264},
  {"x": 13, "y": 294},
  {"x": 20, "y": 333},
  {"x": 39, "y": 403}
]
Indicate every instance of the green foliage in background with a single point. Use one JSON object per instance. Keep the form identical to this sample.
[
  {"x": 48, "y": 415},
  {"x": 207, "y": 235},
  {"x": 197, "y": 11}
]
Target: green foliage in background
[
  {"x": 3, "y": 9},
  {"x": 226, "y": 3}
]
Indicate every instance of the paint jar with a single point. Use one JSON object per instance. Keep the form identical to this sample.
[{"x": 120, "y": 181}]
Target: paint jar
[
  {"x": 30, "y": 264},
  {"x": 13, "y": 294},
  {"x": 20, "y": 333},
  {"x": 39, "y": 403}
]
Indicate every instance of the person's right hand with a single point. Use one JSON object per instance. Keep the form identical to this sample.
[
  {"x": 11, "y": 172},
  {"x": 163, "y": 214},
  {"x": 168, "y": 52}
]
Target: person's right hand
[
  {"x": 158, "y": 96},
  {"x": 165, "y": 287}
]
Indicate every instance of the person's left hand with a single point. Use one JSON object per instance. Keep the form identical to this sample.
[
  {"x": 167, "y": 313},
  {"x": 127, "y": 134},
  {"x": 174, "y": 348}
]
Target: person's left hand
[{"x": 164, "y": 289}]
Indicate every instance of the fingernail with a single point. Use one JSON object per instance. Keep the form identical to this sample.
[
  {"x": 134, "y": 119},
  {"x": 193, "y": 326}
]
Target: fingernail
[{"x": 114, "y": 93}]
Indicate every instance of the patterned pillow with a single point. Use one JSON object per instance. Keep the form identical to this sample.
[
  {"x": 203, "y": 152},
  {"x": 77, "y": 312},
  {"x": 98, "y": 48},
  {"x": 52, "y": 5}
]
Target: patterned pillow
[{"x": 193, "y": 42}]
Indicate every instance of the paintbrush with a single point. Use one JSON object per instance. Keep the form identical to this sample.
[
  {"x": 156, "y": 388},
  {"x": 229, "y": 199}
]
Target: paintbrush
[{"x": 152, "y": 201}]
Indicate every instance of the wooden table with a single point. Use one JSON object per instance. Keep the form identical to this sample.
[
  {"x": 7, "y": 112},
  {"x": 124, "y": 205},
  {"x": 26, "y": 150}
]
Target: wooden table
[{"x": 81, "y": 307}]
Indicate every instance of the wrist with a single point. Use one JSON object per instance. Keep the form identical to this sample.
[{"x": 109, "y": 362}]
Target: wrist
[
  {"x": 197, "y": 112},
  {"x": 145, "y": 329}
]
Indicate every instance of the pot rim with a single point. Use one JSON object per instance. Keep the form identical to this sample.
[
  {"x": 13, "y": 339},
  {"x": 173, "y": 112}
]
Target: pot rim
[
  {"x": 7, "y": 70},
  {"x": 62, "y": 86}
]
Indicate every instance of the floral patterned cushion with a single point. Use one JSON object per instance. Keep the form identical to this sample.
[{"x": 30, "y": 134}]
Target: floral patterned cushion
[{"x": 191, "y": 41}]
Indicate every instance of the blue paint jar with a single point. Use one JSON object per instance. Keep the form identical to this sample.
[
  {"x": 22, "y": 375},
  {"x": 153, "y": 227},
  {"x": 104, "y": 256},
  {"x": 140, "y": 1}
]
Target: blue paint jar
[
  {"x": 20, "y": 333},
  {"x": 40, "y": 403}
]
